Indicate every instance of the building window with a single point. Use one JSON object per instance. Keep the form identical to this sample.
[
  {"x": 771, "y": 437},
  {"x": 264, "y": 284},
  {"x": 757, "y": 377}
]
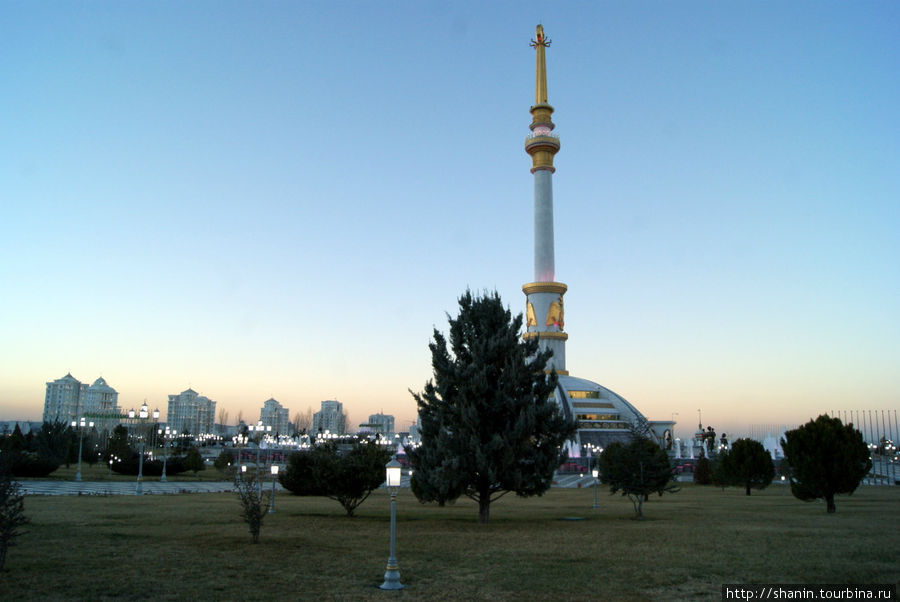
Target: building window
[
  {"x": 597, "y": 416},
  {"x": 609, "y": 426},
  {"x": 584, "y": 394}
]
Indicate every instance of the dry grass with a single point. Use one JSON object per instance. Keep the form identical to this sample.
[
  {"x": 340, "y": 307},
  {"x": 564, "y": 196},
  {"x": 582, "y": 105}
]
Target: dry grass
[{"x": 196, "y": 547}]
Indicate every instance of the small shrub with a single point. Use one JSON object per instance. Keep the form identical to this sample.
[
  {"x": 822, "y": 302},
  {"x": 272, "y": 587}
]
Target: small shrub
[
  {"x": 253, "y": 502},
  {"x": 224, "y": 461},
  {"x": 28, "y": 464}
]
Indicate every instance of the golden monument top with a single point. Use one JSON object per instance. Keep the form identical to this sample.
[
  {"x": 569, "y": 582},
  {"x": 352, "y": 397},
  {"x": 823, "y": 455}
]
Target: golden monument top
[{"x": 539, "y": 43}]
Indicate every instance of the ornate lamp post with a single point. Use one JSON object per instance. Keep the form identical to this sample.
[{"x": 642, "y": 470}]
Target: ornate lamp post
[
  {"x": 392, "y": 480},
  {"x": 274, "y": 470},
  {"x": 595, "y": 472},
  {"x": 80, "y": 424},
  {"x": 142, "y": 416},
  {"x": 164, "y": 435},
  {"x": 261, "y": 429}
]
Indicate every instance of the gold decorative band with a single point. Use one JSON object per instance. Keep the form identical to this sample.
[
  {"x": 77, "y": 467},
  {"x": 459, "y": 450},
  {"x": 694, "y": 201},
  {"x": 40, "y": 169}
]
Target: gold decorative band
[
  {"x": 562, "y": 336},
  {"x": 560, "y": 372},
  {"x": 544, "y": 287}
]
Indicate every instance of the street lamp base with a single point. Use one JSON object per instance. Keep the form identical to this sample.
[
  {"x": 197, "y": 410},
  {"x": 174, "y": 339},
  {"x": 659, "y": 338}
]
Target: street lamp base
[{"x": 391, "y": 579}]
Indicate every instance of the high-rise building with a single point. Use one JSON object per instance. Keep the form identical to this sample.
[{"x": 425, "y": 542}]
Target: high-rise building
[
  {"x": 191, "y": 412},
  {"x": 273, "y": 414},
  {"x": 68, "y": 399},
  {"x": 63, "y": 399},
  {"x": 329, "y": 418},
  {"x": 602, "y": 416},
  {"x": 101, "y": 404},
  {"x": 382, "y": 423}
]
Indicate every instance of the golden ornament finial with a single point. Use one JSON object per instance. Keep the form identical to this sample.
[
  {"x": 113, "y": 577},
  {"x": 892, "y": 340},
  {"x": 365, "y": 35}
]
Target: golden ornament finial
[{"x": 539, "y": 43}]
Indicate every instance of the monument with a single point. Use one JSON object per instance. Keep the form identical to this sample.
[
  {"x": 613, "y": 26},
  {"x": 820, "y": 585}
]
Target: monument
[{"x": 602, "y": 415}]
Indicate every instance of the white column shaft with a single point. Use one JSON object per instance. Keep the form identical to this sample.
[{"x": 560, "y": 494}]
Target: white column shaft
[{"x": 543, "y": 226}]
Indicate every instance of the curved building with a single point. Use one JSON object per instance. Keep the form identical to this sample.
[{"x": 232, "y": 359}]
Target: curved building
[{"x": 602, "y": 415}]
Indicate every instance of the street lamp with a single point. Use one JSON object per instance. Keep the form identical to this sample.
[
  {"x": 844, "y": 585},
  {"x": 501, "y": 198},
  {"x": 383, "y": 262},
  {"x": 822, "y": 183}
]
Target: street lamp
[
  {"x": 392, "y": 480},
  {"x": 260, "y": 444},
  {"x": 596, "y": 473},
  {"x": 142, "y": 416},
  {"x": 164, "y": 435},
  {"x": 274, "y": 470},
  {"x": 80, "y": 425}
]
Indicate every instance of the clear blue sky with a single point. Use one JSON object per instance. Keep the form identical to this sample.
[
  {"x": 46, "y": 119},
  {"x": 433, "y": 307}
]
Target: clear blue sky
[{"x": 282, "y": 199}]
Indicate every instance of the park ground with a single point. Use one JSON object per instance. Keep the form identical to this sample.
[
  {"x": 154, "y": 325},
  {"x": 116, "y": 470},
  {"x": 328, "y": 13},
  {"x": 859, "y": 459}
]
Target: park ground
[{"x": 554, "y": 547}]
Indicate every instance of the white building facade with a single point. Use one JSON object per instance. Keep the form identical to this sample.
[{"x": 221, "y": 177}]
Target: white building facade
[
  {"x": 67, "y": 399},
  {"x": 275, "y": 415},
  {"x": 62, "y": 400},
  {"x": 382, "y": 423},
  {"x": 192, "y": 413},
  {"x": 101, "y": 405},
  {"x": 329, "y": 418}
]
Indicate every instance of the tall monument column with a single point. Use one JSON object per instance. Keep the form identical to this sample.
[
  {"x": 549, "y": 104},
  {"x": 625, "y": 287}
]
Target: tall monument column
[{"x": 544, "y": 311}]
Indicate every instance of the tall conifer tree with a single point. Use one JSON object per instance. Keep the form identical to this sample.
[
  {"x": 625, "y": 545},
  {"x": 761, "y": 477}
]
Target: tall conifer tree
[
  {"x": 826, "y": 457},
  {"x": 489, "y": 423}
]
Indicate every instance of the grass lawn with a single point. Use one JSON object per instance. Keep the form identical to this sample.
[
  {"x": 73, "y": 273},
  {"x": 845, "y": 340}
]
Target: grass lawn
[{"x": 196, "y": 547}]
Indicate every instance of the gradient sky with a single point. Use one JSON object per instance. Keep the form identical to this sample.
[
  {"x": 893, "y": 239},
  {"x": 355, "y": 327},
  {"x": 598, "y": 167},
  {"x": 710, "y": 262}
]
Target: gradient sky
[{"x": 282, "y": 199}]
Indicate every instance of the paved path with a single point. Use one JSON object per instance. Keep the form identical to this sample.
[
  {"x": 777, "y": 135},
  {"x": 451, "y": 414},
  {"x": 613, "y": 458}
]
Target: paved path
[
  {"x": 124, "y": 487},
  {"x": 156, "y": 488}
]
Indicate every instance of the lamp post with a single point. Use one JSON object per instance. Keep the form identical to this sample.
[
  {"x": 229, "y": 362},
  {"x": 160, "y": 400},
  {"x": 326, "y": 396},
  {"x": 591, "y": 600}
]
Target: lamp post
[
  {"x": 595, "y": 472},
  {"x": 261, "y": 429},
  {"x": 142, "y": 416},
  {"x": 164, "y": 435},
  {"x": 80, "y": 424},
  {"x": 392, "y": 480},
  {"x": 274, "y": 470}
]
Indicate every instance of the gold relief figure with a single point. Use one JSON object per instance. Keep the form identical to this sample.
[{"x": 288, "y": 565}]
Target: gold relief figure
[
  {"x": 555, "y": 315},
  {"x": 530, "y": 319}
]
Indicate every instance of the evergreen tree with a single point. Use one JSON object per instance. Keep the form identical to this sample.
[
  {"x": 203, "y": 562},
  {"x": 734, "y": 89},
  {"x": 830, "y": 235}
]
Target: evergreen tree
[
  {"x": 826, "y": 457},
  {"x": 637, "y": 469},
  {"x": 54, "y": 441},
  {"x": 747, "y": 464},
  {"x": 348, "y": 478},
  {"x": 193, "y": 460},
  {"x": 702, "y": 471},
  {"x": 299, "y": 475},
  {"x": 224, "y": 460},
  {"x": 354, "y": 475},
  {"x": 12, "y": 512},
  {"x": 489, "y": 423},
  {"x": 16, "y": 441},
  {"x": 118, "y": 445}
]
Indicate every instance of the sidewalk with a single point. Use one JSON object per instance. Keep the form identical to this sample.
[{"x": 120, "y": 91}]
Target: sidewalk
[{"x": 124, "y": 487}]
